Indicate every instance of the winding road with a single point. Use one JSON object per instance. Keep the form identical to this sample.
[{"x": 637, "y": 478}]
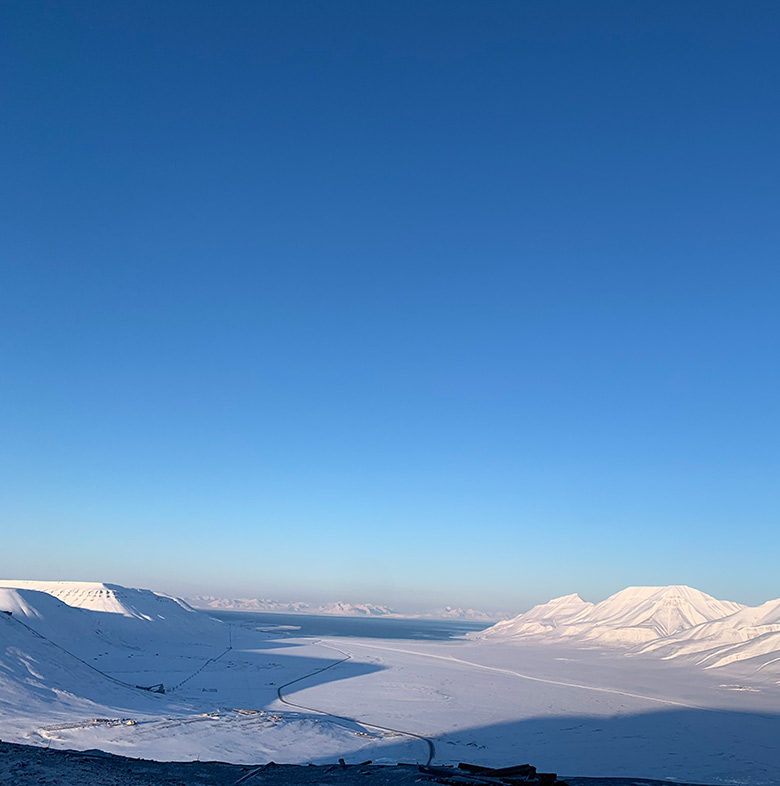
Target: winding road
[{"x": 431, "y": 748}]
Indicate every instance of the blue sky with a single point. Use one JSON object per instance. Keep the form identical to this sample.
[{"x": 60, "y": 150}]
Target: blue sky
[{"x": 411, "y": 302}]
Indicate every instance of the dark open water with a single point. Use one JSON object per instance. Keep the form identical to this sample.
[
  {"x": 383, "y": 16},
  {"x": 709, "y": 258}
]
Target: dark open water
[{"x": 352, "y": 627}]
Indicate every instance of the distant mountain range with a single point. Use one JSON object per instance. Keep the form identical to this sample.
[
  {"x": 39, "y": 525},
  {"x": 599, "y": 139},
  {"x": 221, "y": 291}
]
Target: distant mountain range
[{"x": 338, "y": 608}]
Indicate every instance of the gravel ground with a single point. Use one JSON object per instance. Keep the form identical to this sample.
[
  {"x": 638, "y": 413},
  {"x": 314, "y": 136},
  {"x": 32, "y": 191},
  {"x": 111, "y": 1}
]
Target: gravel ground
[{"x": 27, "y": 765}]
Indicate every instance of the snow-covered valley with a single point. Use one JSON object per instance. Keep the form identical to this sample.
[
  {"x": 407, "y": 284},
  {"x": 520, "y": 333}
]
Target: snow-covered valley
[{"x": 652, "y": 682}]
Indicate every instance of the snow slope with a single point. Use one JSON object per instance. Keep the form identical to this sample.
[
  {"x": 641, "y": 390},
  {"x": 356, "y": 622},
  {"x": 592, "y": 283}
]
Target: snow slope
[
  {"x": 751, "y": 632},
  {"x": 40, "y": 680},
  {"x": 76, "y": 630},
  {"x": 69, "y": 678},
  {"x": 630, "y": 617},
  {"x": 109, "y": 598},
  {"x": 541, "y": 619},
  {"x": 123, "y": 615},
  {"x": 124, "y": 632},
  {"x": 675, "y": 622},
  {"x": 560, "y": 703},
  {"x": 644, "y": 613},
  {"x": 50, "y": 697}
]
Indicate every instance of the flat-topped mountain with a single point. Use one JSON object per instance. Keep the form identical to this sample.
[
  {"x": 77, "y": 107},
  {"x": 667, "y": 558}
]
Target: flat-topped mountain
[
  {"x": 78, "y": 613},
  {"x": 110, "y": 598}
]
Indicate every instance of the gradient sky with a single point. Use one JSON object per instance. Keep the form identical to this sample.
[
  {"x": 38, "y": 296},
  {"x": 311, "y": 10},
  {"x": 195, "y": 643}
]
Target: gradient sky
[{"x": 406, "y": 302}]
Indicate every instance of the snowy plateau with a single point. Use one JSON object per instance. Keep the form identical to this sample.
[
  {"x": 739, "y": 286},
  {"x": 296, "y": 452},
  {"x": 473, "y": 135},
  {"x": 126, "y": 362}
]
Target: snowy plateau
[{"x": 653, "y": 682}]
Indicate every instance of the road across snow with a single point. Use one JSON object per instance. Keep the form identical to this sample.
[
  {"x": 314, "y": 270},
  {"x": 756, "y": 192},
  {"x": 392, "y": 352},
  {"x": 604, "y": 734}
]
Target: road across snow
[
  {"x": 513, "y": 673},
  {"x": 429, "y": 745},
  {"x": 246, "y": 696},
  {"x": 684, "y": 725}
]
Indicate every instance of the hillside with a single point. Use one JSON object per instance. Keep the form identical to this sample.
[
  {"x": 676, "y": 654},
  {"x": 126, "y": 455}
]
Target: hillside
[
  {"x": 632, "y": 616},
  {"x": 753, "y": 632},
  {"x": 40, "y": 680},
  {"x": 122, "y": 631},
  {"x": 540, "y": 620},
  {"x": 109, "y": 598}
]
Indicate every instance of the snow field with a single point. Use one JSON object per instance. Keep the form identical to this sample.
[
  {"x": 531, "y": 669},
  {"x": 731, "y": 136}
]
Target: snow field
[{"x": 550, "y": 687}]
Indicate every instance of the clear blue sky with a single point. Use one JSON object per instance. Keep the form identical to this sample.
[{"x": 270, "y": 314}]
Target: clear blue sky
[{"x": 408, "y": 302}]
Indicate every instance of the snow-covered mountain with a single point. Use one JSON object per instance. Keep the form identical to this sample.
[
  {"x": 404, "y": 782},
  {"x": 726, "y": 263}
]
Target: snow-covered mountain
[
  {"x": 338, "y": 608},
  {"x": 251, "y": 604},
  {"x": 90, "y": 677},
  {"x": 75, "y": 629},
  {"x": 633, "y": 616},
  {"x": 541, "y": 619},
  {"x": 639, "y": 614},
  {"x": 464, "y": 615},
  {"x": 110, "y": 598},
  {"x": 356, "y": 610},
  {"x": 751, "y": 632},
  {"x": 83, "y": 617}
]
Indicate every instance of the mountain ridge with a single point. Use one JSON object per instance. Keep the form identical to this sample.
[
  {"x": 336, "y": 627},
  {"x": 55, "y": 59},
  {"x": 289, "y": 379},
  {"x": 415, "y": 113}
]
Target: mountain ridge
[
  {"x": 633, "y": 616},
  {"x": 337, "y": 608}
]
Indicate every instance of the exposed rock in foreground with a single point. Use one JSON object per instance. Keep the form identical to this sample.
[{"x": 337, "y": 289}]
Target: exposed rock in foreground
[{"x": 21, "y": 765}]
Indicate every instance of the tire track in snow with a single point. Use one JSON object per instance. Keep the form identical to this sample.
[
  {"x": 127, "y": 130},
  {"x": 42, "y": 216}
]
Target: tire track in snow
[
  {"x": 531, "y": 678},
  {"x": 774, "y": 660},
  {"x": 195, "y": 673},
  {"x": 347, "y": 656}
]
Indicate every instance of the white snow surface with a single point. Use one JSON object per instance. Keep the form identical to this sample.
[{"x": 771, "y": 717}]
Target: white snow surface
[
  {"x": 69, "y": 677},
  {"x": 750, "y": 633},
  {"x": 632, "y": 616},
  {"x": 541, "y": 619},
  {"x": 577, "y": 705},
  {"x": 111, "y": 598}
]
